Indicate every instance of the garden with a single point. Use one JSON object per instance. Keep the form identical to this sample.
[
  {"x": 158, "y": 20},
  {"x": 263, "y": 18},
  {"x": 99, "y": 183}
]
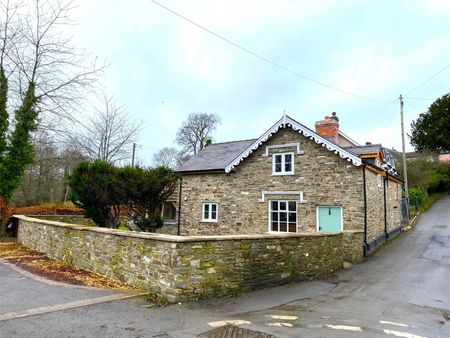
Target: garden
[{"x": 104, "y": 195}]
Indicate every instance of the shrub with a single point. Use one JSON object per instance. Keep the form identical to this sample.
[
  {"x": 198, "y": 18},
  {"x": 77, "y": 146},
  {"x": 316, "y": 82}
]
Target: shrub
[
  {"x": 106, "y": 192},
  {"x": 96, "y": 189},
  {"x": 146, "y": 190},
  {"x": 416, "y": 197}
]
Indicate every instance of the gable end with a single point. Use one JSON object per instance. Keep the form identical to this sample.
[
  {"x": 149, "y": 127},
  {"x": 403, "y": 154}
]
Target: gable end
[{"x": 287, "y": 122}]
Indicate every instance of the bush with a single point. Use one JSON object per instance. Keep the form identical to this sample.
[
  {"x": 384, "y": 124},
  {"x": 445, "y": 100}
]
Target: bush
[
  {"x": 416, "y": 197},
  {"x": 431, "y": 177},
  {"x": 96, "y": 189},
  {"x": 145, "y": 191},
  {"x": 105, "y": 192}
]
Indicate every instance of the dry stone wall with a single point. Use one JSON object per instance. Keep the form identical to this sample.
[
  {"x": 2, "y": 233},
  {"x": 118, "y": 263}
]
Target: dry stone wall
[{"x": 187, "y": 268}]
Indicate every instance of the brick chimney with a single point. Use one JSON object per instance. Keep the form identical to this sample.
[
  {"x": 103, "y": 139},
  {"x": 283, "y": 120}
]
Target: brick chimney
[{"x": 329, "y": 127}]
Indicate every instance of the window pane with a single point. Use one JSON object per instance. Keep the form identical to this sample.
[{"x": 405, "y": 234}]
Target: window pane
[
  {"x": 292, "y": 228},
  {"x": 283, "y": 217},
  {"x": 274, "y": 216},
  {"x": 274, "y": 226},
  {"x": 278, "y": 159},
  {"x": 283, "y": 227},
  {"x": 288, "y": 167},
  {"x": 292, "y": 217},
  {"x": 288, "y": 158},
  {"x": 282, "y": 205},
  {"x": 213, "y": 207},
  {"x": 278, "y": 167},
  {"x": 213, "y": 215},
  {"x": 274, "y": 205},
  {"x": 292, "y": 206},
  {"x": 205, "y": 211}
]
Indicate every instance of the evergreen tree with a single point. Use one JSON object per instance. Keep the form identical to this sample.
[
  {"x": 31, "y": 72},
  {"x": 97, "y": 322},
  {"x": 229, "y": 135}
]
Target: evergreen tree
[{"x": 17, "y": 154}]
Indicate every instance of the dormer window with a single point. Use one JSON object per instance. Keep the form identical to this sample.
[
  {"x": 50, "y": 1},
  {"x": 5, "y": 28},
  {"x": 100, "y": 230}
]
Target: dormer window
[{"x": 283, "y": 164}]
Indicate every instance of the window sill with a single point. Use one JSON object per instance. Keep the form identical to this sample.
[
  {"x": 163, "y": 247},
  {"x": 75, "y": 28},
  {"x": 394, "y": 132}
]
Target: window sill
[
  {"x": 208, "y": 221},
  {"x": 283, "y": 174},
  {"x": 280, "y": 232}
]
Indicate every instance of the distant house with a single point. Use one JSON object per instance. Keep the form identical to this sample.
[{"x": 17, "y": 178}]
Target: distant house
[
  {"x": 443, "y": 157},
  {"x": 291, "y": 179}
]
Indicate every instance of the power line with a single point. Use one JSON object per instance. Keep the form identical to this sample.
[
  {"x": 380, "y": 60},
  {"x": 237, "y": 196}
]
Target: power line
[
  {"x": 430, "y": 78},
  {"x": 263, "y": 58},
  {"x": 367, "y": 117}
]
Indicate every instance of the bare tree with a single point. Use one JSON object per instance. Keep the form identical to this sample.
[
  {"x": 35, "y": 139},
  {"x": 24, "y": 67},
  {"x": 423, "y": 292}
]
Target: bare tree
[
  {"x": 196, "y": 130},
  {"x": 168, "y": 157},
  {"x": 36, "y": 50},
  {"x": 109, "y": 134},
  {"x": 43, "y": 78}
]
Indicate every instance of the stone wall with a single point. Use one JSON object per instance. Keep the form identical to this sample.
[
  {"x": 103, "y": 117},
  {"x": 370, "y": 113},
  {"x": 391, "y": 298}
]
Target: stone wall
[
  {"x": 187, "y": 268},
  {"x": 393, "y": 195},
  {"x": 322, "y": 176},
  {"x": 375, "y": 205}
]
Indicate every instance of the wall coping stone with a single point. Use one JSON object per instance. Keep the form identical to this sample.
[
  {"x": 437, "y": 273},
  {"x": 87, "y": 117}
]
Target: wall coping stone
[{"x": 174, "y": 238}]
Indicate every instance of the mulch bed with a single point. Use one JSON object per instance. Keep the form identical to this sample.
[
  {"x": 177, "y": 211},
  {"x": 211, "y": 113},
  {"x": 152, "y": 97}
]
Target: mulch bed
[
  {"x": 47, "y": 209},
  {"x": 44, "y": 266}
]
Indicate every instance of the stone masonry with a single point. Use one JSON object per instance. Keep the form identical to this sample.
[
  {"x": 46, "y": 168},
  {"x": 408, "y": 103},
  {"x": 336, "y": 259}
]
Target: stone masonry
[
  {"x": 180, "y": 268},
  {"x": 324, "y": 178}
]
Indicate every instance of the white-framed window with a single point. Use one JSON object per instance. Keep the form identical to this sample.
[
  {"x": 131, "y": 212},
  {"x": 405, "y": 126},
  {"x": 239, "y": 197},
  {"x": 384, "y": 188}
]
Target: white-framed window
[
  {"x": 283, "y": 216},
  {"x": 209, "y": 212},
  {"x": 283, "y": 163}
]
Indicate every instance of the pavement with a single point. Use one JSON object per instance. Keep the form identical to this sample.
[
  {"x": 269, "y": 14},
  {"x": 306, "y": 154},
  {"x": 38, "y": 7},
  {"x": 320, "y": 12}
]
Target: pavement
[{"x": 403, "y": 290}]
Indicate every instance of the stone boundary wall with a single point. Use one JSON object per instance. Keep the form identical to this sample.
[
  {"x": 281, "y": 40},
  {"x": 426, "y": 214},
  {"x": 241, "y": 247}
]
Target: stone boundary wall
[{"x": 181, "y": 268}]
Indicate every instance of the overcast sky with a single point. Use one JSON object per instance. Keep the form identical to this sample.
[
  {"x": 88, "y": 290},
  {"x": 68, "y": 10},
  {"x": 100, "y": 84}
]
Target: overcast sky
[{"x": 164, "y": 68}]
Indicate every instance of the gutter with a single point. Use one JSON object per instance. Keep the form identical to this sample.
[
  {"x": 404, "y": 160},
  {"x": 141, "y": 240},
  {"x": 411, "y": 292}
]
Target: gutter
[{"x": 179, "y": 206}]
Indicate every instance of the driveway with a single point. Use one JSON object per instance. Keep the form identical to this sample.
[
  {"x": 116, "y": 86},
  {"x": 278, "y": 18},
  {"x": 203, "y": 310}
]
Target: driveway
[{"x": 401, "y": 291}]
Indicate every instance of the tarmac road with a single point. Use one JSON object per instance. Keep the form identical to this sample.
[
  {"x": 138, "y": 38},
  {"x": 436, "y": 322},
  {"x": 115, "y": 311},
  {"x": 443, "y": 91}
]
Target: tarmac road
[{"x": 402, "y": 291}]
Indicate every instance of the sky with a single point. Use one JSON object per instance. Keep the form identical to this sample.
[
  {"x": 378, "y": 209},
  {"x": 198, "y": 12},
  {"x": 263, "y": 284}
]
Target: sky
[{"x": 164, "y": 68}]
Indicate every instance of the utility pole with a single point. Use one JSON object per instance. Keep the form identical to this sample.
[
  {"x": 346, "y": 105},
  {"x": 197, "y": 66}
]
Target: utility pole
[
  {"x": 134, "y": 152},
  {"x": 405, "y": 172}
]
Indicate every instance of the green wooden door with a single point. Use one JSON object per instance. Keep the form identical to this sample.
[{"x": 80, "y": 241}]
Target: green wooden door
[{"x": 329, "y": 219}]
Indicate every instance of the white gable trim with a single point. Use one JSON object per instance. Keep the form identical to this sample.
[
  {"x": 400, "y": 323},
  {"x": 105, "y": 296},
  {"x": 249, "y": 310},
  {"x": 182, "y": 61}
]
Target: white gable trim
[{"x": 284, "y": 122}]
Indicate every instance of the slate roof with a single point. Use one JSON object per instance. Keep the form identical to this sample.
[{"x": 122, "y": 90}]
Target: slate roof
[
  {"x": 364, "y": 150},
  {"x": 215, "y": 156}
]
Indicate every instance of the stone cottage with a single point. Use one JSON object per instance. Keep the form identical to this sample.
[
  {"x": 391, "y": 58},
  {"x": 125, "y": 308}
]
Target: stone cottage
[{"x": 291, "y": 180}]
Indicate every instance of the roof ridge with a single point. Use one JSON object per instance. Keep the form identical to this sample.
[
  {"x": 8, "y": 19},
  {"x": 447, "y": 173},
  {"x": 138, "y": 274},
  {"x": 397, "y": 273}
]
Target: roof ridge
[
  {"x": 365, "y": 145},
  {"x": 250, "y": 139}
]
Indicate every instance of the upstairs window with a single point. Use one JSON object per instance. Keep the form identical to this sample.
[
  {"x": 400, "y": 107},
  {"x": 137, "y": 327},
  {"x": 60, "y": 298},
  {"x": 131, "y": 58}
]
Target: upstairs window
[
  {"x": 283, "y": 164},
  {"x": 209, "y": 212}
]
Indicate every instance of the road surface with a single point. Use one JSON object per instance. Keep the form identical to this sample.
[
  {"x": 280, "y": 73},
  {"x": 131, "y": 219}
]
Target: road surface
[{"x": 401, "y": 291}]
